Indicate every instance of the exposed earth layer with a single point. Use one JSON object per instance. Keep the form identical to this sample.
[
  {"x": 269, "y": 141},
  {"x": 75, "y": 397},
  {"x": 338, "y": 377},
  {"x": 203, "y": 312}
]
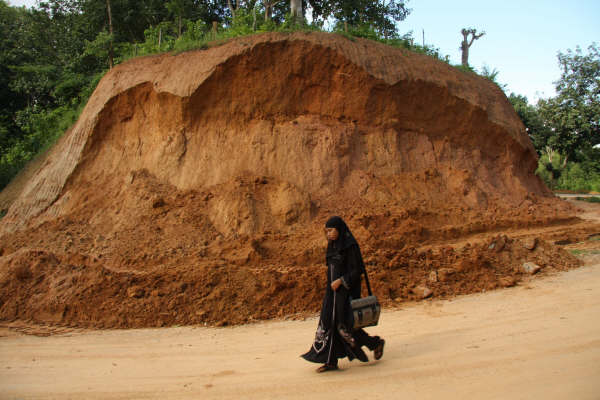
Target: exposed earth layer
[{"x": 194, "y": 187}]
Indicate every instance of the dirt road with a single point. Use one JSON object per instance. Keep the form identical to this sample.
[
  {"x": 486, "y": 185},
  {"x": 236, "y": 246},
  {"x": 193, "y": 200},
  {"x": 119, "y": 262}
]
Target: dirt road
[{"x": 539, "y": 340}]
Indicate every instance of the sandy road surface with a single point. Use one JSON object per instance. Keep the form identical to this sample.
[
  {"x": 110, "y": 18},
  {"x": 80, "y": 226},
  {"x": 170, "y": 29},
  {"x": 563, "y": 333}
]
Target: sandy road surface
[{"x": 540, "y": 340}]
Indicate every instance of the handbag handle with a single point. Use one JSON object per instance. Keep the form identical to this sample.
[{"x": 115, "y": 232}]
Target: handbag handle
[{"x": 367, "y": 281}]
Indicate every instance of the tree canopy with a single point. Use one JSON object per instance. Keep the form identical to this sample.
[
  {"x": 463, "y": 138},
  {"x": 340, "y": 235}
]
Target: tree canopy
[
  {"x": 382, "y": 16},
  {"x": 565, "y": 129},
  {"x": 574, "y": 114}
]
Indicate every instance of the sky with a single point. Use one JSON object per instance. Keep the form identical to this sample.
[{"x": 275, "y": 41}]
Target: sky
[
  {"x": 522, "y": 37},
  {"x": 521, "y": 41}
]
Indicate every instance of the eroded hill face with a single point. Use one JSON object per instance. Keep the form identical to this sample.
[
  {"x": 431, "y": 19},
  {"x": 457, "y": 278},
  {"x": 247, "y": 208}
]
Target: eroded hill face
[{"x": 216, "y": 169}]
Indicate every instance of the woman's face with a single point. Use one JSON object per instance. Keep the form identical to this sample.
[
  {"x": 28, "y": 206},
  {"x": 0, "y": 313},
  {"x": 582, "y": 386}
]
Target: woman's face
[{"x": 332, "y": 233}]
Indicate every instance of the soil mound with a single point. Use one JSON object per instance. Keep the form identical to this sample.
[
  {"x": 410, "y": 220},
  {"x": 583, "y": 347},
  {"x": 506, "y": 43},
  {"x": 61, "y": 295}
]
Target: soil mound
[{"x": 194, "y": 187}]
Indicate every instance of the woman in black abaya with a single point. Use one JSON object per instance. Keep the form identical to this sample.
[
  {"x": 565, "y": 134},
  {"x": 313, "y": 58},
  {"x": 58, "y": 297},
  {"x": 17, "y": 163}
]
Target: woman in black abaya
[{"x": 335, "y": 338}]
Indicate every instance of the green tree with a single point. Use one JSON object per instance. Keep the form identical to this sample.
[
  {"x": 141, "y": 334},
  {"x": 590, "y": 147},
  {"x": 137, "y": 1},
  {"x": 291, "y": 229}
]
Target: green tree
[
  {"x": 380, "y": 16},
  {"x": 179, "y": 9},
  {"x": 45, "y": 76},
  {"x": 574, "y": 114},
  {"x": 538, "y": 131},
  {"x": 11, "y": 22}
]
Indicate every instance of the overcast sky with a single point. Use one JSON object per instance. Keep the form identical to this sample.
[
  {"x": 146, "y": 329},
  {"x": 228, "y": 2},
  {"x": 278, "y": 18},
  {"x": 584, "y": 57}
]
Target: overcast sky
[{"x": 522, "y": 37}]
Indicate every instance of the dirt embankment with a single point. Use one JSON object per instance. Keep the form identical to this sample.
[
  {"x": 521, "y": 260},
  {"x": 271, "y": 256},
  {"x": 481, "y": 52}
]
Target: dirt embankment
[{"x": 194, "y": 187}]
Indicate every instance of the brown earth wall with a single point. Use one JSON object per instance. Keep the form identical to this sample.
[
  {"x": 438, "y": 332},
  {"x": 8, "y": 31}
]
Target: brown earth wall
[{"x": 194, "y": 187}]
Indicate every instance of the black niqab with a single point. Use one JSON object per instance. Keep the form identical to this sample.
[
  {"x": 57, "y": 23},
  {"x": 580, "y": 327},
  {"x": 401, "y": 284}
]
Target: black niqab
[{"x": 345, "y": 238}]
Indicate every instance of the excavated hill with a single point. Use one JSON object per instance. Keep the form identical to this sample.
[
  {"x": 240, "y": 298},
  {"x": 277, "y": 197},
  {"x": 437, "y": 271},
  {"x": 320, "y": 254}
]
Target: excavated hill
[{"x": 194, "y": 187}]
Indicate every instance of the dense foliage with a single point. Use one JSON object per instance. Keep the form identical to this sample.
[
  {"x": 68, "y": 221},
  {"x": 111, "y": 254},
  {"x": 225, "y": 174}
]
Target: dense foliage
[{"x": 565, "y": 129}]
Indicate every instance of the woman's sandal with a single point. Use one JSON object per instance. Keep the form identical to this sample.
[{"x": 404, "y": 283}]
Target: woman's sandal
[
  {"x": 378, "y": 352},
  {"x": 326, "y": 367}
]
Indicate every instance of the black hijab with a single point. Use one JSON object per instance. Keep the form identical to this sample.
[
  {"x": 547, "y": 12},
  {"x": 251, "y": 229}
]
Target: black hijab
[
  {"x": 345, "y": 246},
  {"x": 345, "y": 238}
]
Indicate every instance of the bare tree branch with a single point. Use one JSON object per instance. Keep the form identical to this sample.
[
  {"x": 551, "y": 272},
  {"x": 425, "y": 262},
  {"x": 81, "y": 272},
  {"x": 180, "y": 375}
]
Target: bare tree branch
[{"x": 466, "y": 43}]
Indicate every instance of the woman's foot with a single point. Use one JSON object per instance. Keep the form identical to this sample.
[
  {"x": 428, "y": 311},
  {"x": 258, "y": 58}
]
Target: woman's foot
[
  {"x": 378, "y": 352},
  {"x": 326, "y": 367},
  {"x": 360, "y": 354}
]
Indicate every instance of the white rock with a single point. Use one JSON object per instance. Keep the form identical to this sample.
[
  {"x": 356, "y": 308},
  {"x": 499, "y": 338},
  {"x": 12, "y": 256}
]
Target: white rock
[{"x": 530, "y": 268}]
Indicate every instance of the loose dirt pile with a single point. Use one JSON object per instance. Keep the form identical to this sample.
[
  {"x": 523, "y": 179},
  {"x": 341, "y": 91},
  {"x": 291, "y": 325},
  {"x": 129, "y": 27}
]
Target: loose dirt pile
[
  {"x": 47, "y": 289},
  {"x": 194, "y": 187}
]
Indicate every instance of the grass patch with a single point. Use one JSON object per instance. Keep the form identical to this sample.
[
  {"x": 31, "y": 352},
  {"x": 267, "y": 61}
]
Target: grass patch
[
  {"x": 577, "y": 252},
  {"x": 588, "y": 199}
]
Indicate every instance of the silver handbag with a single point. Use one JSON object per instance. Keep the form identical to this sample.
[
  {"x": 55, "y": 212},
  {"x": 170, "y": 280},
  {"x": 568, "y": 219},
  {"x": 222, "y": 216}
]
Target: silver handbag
[{"x": 365, "y": 310}]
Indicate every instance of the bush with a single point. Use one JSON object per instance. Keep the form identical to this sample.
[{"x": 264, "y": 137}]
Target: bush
[
  {"x": 576, "y": 177},
  {"x": 159, "y": 38},
  {"x": 41, "y": 128},
  {"x": 365, "y": 31},
  {"x": 589, "y": 199},
  {"x": 573, "y": 178}
]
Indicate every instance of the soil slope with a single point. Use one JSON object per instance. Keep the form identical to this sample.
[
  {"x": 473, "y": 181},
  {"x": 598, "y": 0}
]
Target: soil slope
[{"x": 194, "y": 187}]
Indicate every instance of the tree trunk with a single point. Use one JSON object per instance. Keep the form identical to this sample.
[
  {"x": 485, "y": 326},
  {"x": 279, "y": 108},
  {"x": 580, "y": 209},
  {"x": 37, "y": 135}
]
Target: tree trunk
[
  {"x": 232, "y": 9},
  {"x": 110, "y": 30},
  {"x": 465, "y": 56},
  {"x": 550, "y": 153},
  {"x": 466, "y": 43},
  {"x": 269, "y": 4},
  {"x": 296, "y": 11},
  {"x": 179, "y": 32},
  {"x": 464, "y": 46}
]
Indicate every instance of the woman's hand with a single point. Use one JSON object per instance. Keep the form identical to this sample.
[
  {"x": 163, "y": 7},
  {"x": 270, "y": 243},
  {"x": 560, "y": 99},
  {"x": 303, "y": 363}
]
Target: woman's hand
[{"x": 336, "y": 284}]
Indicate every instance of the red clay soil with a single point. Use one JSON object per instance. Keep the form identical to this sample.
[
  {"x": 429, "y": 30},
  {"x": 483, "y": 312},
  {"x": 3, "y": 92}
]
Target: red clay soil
[{"x": 194, "y": 187}]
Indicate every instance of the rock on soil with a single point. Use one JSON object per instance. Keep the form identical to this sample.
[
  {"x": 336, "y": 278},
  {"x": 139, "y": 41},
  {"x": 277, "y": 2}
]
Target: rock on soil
[
  {"x": 507, "y": 281},
  {"x": 444, "y": 273},
  {"x": 530, "y": 243},
  {"x": 530, "y": 268},
  {"x": 433, "y": 277},
  {"x": 422, "y": 292}
]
